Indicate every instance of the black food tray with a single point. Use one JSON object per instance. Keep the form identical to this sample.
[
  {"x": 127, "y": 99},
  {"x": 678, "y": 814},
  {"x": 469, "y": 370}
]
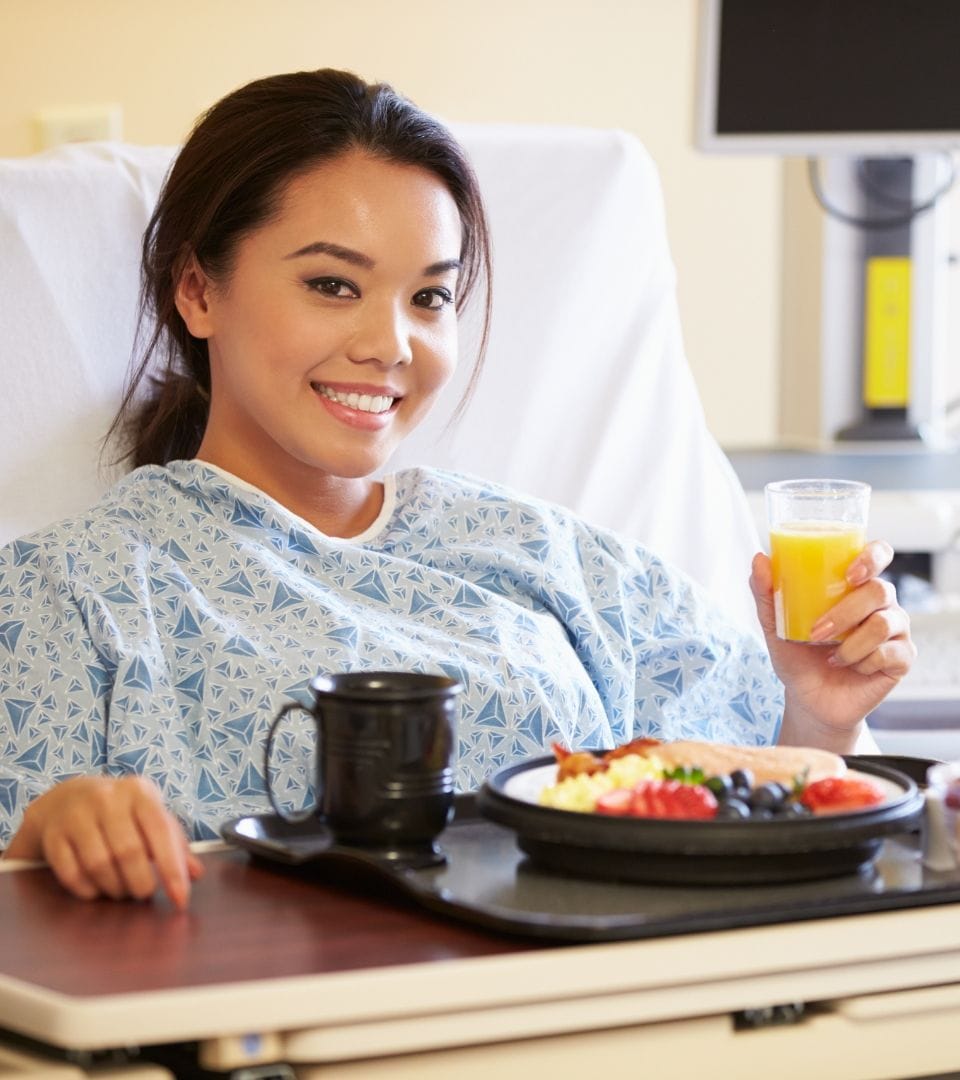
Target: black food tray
[{"x": 489, "y": 882}]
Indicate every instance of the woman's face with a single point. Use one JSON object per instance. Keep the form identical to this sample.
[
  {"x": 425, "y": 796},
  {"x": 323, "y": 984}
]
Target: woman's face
[{"x": 336, "y": 329}]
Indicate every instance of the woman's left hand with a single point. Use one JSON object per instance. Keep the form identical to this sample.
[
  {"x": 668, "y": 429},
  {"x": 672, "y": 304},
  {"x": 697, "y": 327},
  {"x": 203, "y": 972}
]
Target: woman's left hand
[{"x": 831, "y": 688}]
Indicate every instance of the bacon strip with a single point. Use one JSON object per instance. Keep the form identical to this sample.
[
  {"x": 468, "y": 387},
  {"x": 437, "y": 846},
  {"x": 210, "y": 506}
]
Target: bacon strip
[{"x": 580, "y": 762}]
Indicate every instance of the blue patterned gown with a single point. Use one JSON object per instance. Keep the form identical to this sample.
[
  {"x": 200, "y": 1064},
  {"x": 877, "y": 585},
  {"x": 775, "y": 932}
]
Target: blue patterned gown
[{"x": 160, "y": 632}]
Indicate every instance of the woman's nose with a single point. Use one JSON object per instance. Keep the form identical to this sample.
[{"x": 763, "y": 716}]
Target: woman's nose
[{"x": 382, "y": 334}]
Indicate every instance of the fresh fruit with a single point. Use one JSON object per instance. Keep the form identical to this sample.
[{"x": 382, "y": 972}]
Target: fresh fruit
[
  {"x": 673, "y": 799},
  {"x": 721, "y": 786},
  {"x": 742, "y": 779},
  {"x": 733, "y": 810},
  {"x": 769, "y": 796},
  {"x": 838, "y": 794},
  {"x": 616, "y": 803},
  {"x": 762, "y": 803},
  {"x": 660, "y": 799},
  {"x": 651, "y": 788}
]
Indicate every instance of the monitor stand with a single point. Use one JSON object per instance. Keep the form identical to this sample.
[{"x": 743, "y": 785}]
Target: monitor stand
[{"x": 864, "y": 352}]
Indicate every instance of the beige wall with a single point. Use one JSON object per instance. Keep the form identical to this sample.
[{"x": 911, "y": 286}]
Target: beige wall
[{"x": 606, "y": 63}]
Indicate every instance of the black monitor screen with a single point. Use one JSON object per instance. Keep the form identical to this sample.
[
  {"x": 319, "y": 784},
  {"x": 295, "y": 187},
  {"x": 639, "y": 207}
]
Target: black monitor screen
[{"x": 837, "y": 66}]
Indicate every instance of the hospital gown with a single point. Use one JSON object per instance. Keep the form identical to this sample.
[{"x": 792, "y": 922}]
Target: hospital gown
[{"x": 160, "y": 632}]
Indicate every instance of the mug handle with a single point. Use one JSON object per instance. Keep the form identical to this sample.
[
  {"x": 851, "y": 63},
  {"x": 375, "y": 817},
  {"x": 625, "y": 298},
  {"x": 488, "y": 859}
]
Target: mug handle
[{"x": 305, "y": 815}]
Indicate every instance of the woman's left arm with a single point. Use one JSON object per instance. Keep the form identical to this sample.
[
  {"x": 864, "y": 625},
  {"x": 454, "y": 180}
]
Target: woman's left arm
[{"x": 830, "y": 689}]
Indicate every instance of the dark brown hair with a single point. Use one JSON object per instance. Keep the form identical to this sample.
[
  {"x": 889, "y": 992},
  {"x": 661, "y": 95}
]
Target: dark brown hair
[{"x": 227, "y": 181}]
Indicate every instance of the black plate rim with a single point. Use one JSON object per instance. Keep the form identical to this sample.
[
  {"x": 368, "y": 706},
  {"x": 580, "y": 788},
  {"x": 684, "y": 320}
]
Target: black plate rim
[{"x": 738, "y": 838}]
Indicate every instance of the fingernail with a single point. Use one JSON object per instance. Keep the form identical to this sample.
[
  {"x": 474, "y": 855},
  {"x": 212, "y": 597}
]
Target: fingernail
[
  {"x": 834, "y": 660},
  {"x": 822, "y": 629},
  {"x": 857, "y": 574}
]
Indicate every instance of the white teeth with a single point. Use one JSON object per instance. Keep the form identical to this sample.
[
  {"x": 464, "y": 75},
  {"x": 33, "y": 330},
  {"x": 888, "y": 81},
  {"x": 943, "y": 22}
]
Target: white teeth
[{"x": 372, "y": 403}]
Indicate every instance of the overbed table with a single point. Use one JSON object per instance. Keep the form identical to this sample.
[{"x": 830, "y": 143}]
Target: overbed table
[{"x": 269, "y": 965}]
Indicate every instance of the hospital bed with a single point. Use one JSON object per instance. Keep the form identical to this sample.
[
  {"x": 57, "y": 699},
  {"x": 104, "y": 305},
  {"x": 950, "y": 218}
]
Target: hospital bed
[{"x": 586, "y": 400}]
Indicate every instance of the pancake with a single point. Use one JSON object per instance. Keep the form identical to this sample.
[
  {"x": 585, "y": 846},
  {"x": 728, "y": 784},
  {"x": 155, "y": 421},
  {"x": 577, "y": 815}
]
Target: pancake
[{"x": 767, "y": 763}]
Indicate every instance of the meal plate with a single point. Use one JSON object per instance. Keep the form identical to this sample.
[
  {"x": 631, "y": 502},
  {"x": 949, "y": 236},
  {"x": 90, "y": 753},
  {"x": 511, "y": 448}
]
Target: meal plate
[{"x": 697, "y": 852}]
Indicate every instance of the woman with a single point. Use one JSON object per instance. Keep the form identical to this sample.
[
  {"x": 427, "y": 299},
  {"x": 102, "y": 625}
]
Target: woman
[{"x": 305, "y": 265}]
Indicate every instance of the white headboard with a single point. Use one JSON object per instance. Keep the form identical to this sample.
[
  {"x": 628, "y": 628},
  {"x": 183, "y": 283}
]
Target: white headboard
[{"x": 586, "y": 399}]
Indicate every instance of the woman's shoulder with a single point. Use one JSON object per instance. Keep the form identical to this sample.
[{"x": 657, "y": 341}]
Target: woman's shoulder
[
  {"x": 449, "y": 497},
  {"x": 463, "y": 489},
  {"x": 469, "y": 503},
  {"x": 132, "y": 504}
]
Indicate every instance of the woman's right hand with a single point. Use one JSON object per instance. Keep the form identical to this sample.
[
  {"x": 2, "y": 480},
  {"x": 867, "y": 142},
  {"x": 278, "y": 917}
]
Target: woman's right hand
[{"x": 108, "y": 836}]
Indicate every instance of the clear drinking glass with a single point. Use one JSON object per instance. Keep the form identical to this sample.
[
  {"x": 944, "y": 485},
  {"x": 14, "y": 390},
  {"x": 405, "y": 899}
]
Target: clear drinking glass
[{"x": 817, "y": 528}]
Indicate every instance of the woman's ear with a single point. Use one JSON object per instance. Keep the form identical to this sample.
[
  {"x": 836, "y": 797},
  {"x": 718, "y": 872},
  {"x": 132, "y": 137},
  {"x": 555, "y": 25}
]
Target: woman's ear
[{"x": 192, "y": 297}]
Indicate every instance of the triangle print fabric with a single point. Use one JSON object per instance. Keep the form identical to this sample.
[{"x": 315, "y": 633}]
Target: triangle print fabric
[{"x": 161, "y": 631}]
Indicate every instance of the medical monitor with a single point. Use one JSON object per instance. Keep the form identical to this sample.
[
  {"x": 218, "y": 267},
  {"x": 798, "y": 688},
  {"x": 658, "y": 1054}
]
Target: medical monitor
[{"x": 817, "y": 77}]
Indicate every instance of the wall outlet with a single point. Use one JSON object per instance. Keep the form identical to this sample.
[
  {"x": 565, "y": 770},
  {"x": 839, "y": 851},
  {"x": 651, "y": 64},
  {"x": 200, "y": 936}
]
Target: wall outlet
[{"x": 78, "y": 123}]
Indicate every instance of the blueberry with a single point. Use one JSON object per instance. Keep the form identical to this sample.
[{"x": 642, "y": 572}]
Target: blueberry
[
  {"x": 720, "y": 786},
  {"x": 793, "y": 809},
  {"x": 742, "y": 778},
  {"x": 761, "y": 813},
  {"x": 732, "y": 810},
  {"x": 770, "y": 796}
]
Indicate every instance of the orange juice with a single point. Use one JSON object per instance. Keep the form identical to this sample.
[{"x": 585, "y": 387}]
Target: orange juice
[{"x": 809, "y": 560}]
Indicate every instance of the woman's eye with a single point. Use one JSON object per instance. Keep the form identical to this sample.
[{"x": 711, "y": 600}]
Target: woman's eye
[
  {"x": 336, "y": 287},
  {"x": 433, "y": 299}
]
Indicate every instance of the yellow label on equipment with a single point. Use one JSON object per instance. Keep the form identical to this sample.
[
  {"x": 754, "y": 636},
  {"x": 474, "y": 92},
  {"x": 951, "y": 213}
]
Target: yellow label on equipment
[{"x": 886, "y": 359}]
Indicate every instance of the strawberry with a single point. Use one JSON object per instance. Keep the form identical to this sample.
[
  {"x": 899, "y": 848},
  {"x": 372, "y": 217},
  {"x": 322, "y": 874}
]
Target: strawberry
[
  {"x": 838, "y": 794},
  {"x": 672, "y": 799},
  {"x": 616, "y": 803}
]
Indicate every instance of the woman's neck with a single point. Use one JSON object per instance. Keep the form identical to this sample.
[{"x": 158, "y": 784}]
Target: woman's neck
[{"x": 336, "y": 505}]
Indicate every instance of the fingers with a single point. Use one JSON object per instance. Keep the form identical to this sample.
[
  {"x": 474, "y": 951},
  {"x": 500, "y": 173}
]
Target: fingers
[
  {"x": 761, "y": 574},
  {"x": 167, "y": 848},
  {"x": 105, "y": 836},
  {"x": 73, "y": 842},
  {"x": 854, "y": 609},
  {"x": 892, "y": 658},
  {"x": 60, "y": 857},
  {"x": 870, "y": 563},
  {"x": 881, "y": 643},
  {"x": 874, "y": 629},
  {"x": 761, "y": 584},
  {"x": 95, "y": 859},
  {"x": 131, "y": 856}
]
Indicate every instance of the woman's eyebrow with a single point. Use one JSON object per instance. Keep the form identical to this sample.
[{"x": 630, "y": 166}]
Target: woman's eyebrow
[
  {"x": 357, "y": 258},
  {"x": 322, "y": 247},
  {"x": 441, "y": 267}
]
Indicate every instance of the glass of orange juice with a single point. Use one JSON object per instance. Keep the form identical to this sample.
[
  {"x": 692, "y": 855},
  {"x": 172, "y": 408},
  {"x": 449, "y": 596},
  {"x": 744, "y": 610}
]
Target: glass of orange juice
[{"x": 817, "y": 528}]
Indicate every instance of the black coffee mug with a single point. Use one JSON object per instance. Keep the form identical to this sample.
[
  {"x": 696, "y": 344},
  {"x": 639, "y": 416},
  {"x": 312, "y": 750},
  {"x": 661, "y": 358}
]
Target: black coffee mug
[{"x": 383, "y": 768}]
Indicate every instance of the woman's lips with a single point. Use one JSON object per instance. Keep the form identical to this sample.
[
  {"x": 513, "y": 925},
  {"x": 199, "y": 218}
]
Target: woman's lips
[
  {"x": 368, "y": 408},
  {"x": 376, "y": 400}
]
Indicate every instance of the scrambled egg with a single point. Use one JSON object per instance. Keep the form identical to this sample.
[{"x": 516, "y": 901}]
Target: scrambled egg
[{"x": 581, "y": 792}]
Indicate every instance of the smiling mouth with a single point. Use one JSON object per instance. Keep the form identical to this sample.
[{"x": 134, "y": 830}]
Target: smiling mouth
[{"x": 369, "y": 403}]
